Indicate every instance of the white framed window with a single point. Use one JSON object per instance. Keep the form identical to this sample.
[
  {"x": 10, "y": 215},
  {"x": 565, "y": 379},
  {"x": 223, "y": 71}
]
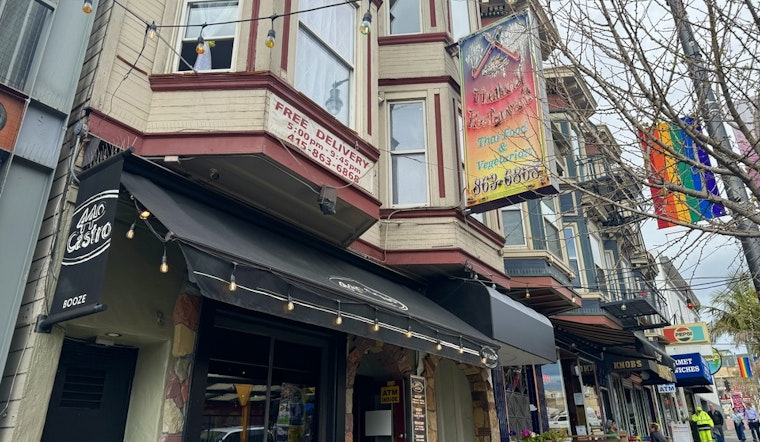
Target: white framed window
[
  {"x": 219, "y": 39},
  {"x": 571, "y": 246},
  {"x": 21, "y": 27},
  {"x": 596, "y": 253},
  {"x": 552, "y": 237},
  {"x": 613, "y": 284},
  {"x": 405, "y": 17},
  {"x": 325, "y": 54},
  {"x": 409, "y": 178},
  {"x": 513, "y": 226},
  {"x": 460, "y": 18}
]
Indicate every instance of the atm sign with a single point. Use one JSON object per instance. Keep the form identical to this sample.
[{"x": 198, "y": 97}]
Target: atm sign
[{"x": 389, "y": 394}]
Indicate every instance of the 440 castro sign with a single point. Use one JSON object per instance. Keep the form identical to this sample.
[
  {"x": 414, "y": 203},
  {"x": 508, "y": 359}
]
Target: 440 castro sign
[{"x": 89, "y": 240}]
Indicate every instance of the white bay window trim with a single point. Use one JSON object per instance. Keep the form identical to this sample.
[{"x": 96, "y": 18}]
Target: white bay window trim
[
  {"x": 407, "y": 139},
  {"x": 220, "y": 40}
]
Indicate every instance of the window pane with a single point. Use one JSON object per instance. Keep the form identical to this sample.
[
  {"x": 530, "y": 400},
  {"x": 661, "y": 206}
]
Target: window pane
[
  {"x": 318, "y": 72},
  {"x": 553, "y": 240},
  {"x": 460, "y": 18},
  {"x": 407, "y": 126},
  {"x": 330, "y": 24},
  {"x": 21, "y": 26},
  {"x": 211, "y": 12},
  {"x": 405, "y": 16},
  {"x": 512, "y": 223},
  {"x": 409, "y": 179}
]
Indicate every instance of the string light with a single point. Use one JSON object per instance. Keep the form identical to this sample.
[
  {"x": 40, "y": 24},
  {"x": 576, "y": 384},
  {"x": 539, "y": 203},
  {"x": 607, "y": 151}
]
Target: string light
[
  {"x": 271, "y": 35},
  {"x": 144, "y": 214},
  {"x": 689, "y": 304},
  {"x": 376, "y": 324},
  {"x": 164, "y": 268},
  {"x": 152, "y": 29},
  {"x": 438, "y": 345},
  {"x": 366, "y": 25},
  {"x": 527, "y": 293},
  {"x": 200, "y": 48},
  {"x": 461, "y": 345},
  {"x": 233, "y": 284},
  {"x": 339, "y": 318},
  {"x": 408, "y": 333},
  {"x": 131, "y": 231},
  {"x": 87, "y": 6},
  {"x": 290, "y": 305}
]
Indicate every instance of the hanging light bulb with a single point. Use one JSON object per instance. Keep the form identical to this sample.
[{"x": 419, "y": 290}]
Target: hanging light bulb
[
  {"x": 366, "y": 25},
  {"x": 408, "y": 333},
  {"x": 164, "y": 265},
  {"x": 131, "y": 231},
  {"x": 290, "y": 305},
  {"x": 438, "y": 345},
  {"x": 527, "y": 293},
  {"x": 87, "y": 6},
  {"x": 339, "y": 318},
  {"x": 689, "y": 304},
  {"x": 376, "y": 324},
  {"x": 461, "y": 345},
  {"x": 152, "y": 29},
  {"x": 271, "y": 36},
  {"x": 233, "y": 283},
  {"x": 200, "y": 48},
  {"x": 144, "y": 214},
  {"x": 271, "y": 39},
  {"x": 574, "y": 300},
  {"x": 623, "y": 307}
]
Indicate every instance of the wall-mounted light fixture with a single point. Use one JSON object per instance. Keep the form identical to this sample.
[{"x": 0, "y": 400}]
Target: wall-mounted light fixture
[{"x": 334, "y": 104}]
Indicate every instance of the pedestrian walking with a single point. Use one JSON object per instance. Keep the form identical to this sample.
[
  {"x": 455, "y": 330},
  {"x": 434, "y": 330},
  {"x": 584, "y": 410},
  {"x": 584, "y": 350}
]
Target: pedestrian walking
[
  {"x": 752, "y": 422},
  {"x": 738, "y": 417},
  {"x": 718, "y": 421},
  {"x": 704, "y": 424},
  {"x": 655, "y": 435}
]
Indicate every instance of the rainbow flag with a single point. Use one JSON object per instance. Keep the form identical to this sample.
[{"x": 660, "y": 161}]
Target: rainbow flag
[
  {"x": 664, "y": 166},
  {"x": 745, "y": 370}
]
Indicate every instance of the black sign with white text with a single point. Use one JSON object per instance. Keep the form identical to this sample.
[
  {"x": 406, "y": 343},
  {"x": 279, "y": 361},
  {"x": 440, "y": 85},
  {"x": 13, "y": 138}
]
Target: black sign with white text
[
  {"x": 89, "y": 239},
  {"x": 418, "y": 408}
]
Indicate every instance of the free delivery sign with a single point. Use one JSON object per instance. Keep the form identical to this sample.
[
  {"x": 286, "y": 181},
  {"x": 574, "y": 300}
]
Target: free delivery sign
[{"x": 506, "y": 128}]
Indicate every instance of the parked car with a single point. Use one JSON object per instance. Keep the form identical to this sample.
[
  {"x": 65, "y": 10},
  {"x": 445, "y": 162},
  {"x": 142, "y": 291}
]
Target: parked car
[
  {"x": 232, "y": 434},
  {"x": 559, "y": 421}
]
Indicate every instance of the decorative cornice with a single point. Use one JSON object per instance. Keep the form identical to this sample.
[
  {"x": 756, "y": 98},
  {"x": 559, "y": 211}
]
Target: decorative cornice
[{"x": 432, "y": 37}]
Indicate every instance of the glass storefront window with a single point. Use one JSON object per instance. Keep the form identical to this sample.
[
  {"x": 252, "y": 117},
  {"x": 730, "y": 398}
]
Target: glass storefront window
[
  {"x": 263, "y": 383},
  {"x": 554, "y": 391}
]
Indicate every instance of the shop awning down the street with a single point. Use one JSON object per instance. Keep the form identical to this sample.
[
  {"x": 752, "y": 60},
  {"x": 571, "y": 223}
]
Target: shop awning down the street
[
  {"x": 279, "y": 275},
  {"x": 526, "y": 337}
]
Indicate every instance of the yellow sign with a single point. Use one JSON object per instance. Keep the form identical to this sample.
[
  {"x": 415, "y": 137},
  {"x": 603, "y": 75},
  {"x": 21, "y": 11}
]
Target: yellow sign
[{"x": 389, "y": 394}]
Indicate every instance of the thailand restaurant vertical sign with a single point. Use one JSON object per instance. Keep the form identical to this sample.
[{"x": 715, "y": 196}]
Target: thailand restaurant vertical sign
[
  {"x": 506, "y": 131},
  {"x": 418, "y": 408},
  {"x": 89, "y": 239}
]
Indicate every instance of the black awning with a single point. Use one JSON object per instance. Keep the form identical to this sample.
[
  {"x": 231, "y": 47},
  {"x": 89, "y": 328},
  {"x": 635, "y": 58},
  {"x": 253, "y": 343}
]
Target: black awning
[
  {"x": 526, "y": 336},
  {"x": 646, "y": 347},
  {"x": 270, "y": 269}
]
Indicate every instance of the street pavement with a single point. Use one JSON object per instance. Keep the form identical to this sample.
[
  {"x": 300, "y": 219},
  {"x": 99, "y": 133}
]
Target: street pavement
[{"x": 730, "y": 433}]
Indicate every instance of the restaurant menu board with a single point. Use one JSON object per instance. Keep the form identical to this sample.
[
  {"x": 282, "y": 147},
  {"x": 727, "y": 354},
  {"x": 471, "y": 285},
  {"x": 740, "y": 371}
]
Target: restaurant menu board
[{"x": 418, "y": 408}]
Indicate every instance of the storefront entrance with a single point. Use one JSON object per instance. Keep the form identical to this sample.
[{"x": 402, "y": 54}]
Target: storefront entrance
[{"x": 263, "y": 381}]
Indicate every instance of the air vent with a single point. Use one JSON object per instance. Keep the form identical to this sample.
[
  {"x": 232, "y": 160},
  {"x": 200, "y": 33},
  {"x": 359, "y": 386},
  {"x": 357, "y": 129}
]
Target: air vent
[{"x": 83, "y": 388}]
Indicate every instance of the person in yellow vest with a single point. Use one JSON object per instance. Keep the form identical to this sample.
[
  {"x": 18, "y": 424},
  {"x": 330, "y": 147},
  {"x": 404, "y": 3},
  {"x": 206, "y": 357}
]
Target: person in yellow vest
[{"x": 704, "y": 424}]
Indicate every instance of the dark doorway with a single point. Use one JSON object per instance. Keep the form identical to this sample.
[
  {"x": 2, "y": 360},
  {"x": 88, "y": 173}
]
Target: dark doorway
[{"x": 90, "y": 397}]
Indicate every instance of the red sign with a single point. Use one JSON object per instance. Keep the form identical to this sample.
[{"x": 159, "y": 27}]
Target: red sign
[{"x": 11, "y": 111}]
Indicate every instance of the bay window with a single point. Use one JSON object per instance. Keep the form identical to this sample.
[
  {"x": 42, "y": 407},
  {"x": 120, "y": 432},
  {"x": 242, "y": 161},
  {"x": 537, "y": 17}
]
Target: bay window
[
  {"x": 460, "y": 18},
  {"x": 409, "y": 181},
  {"x": 214, "y": 20},
  {"x": 552, "y": 239},
  {"x": 325, "y": 56},
  {"x": 512, "y": 225},
  {"x": 572, "y": 255}
]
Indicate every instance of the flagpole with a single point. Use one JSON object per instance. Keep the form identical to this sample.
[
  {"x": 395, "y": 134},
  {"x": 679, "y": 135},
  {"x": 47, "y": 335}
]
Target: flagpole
[{"x": 710, "y": 113}]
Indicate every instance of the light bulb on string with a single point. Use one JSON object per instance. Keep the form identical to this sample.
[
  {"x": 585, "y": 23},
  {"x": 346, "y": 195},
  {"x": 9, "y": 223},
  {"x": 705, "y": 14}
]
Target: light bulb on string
[
  {"x": 438, "y": 345},
  {"x": 200, "y": 48},
  {"x": 271, "y": 35},
  {"x": 164, "y": 268},
  {"x": 376, "y": 324},
  {"x": 339, "y": 318},
  {"x": 144, "y": 214},
  {"x": 289, "y": 306},
  {"x": 233, "y": 283},
  {"x": 131, "y": 231},
  {"x": 461, "y": 345},
  {"x": 87, "y": 6},
  {"x": 527, "y": 293},
  {"x": 366, "y": 27},
  {"x": 152, "y": 29}
]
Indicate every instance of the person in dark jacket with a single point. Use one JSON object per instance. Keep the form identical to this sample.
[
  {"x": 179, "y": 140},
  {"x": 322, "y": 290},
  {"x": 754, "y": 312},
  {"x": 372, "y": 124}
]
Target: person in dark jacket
[
  {"x": 718, "y": 421},
  {"x": 655, "y": 435}
]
